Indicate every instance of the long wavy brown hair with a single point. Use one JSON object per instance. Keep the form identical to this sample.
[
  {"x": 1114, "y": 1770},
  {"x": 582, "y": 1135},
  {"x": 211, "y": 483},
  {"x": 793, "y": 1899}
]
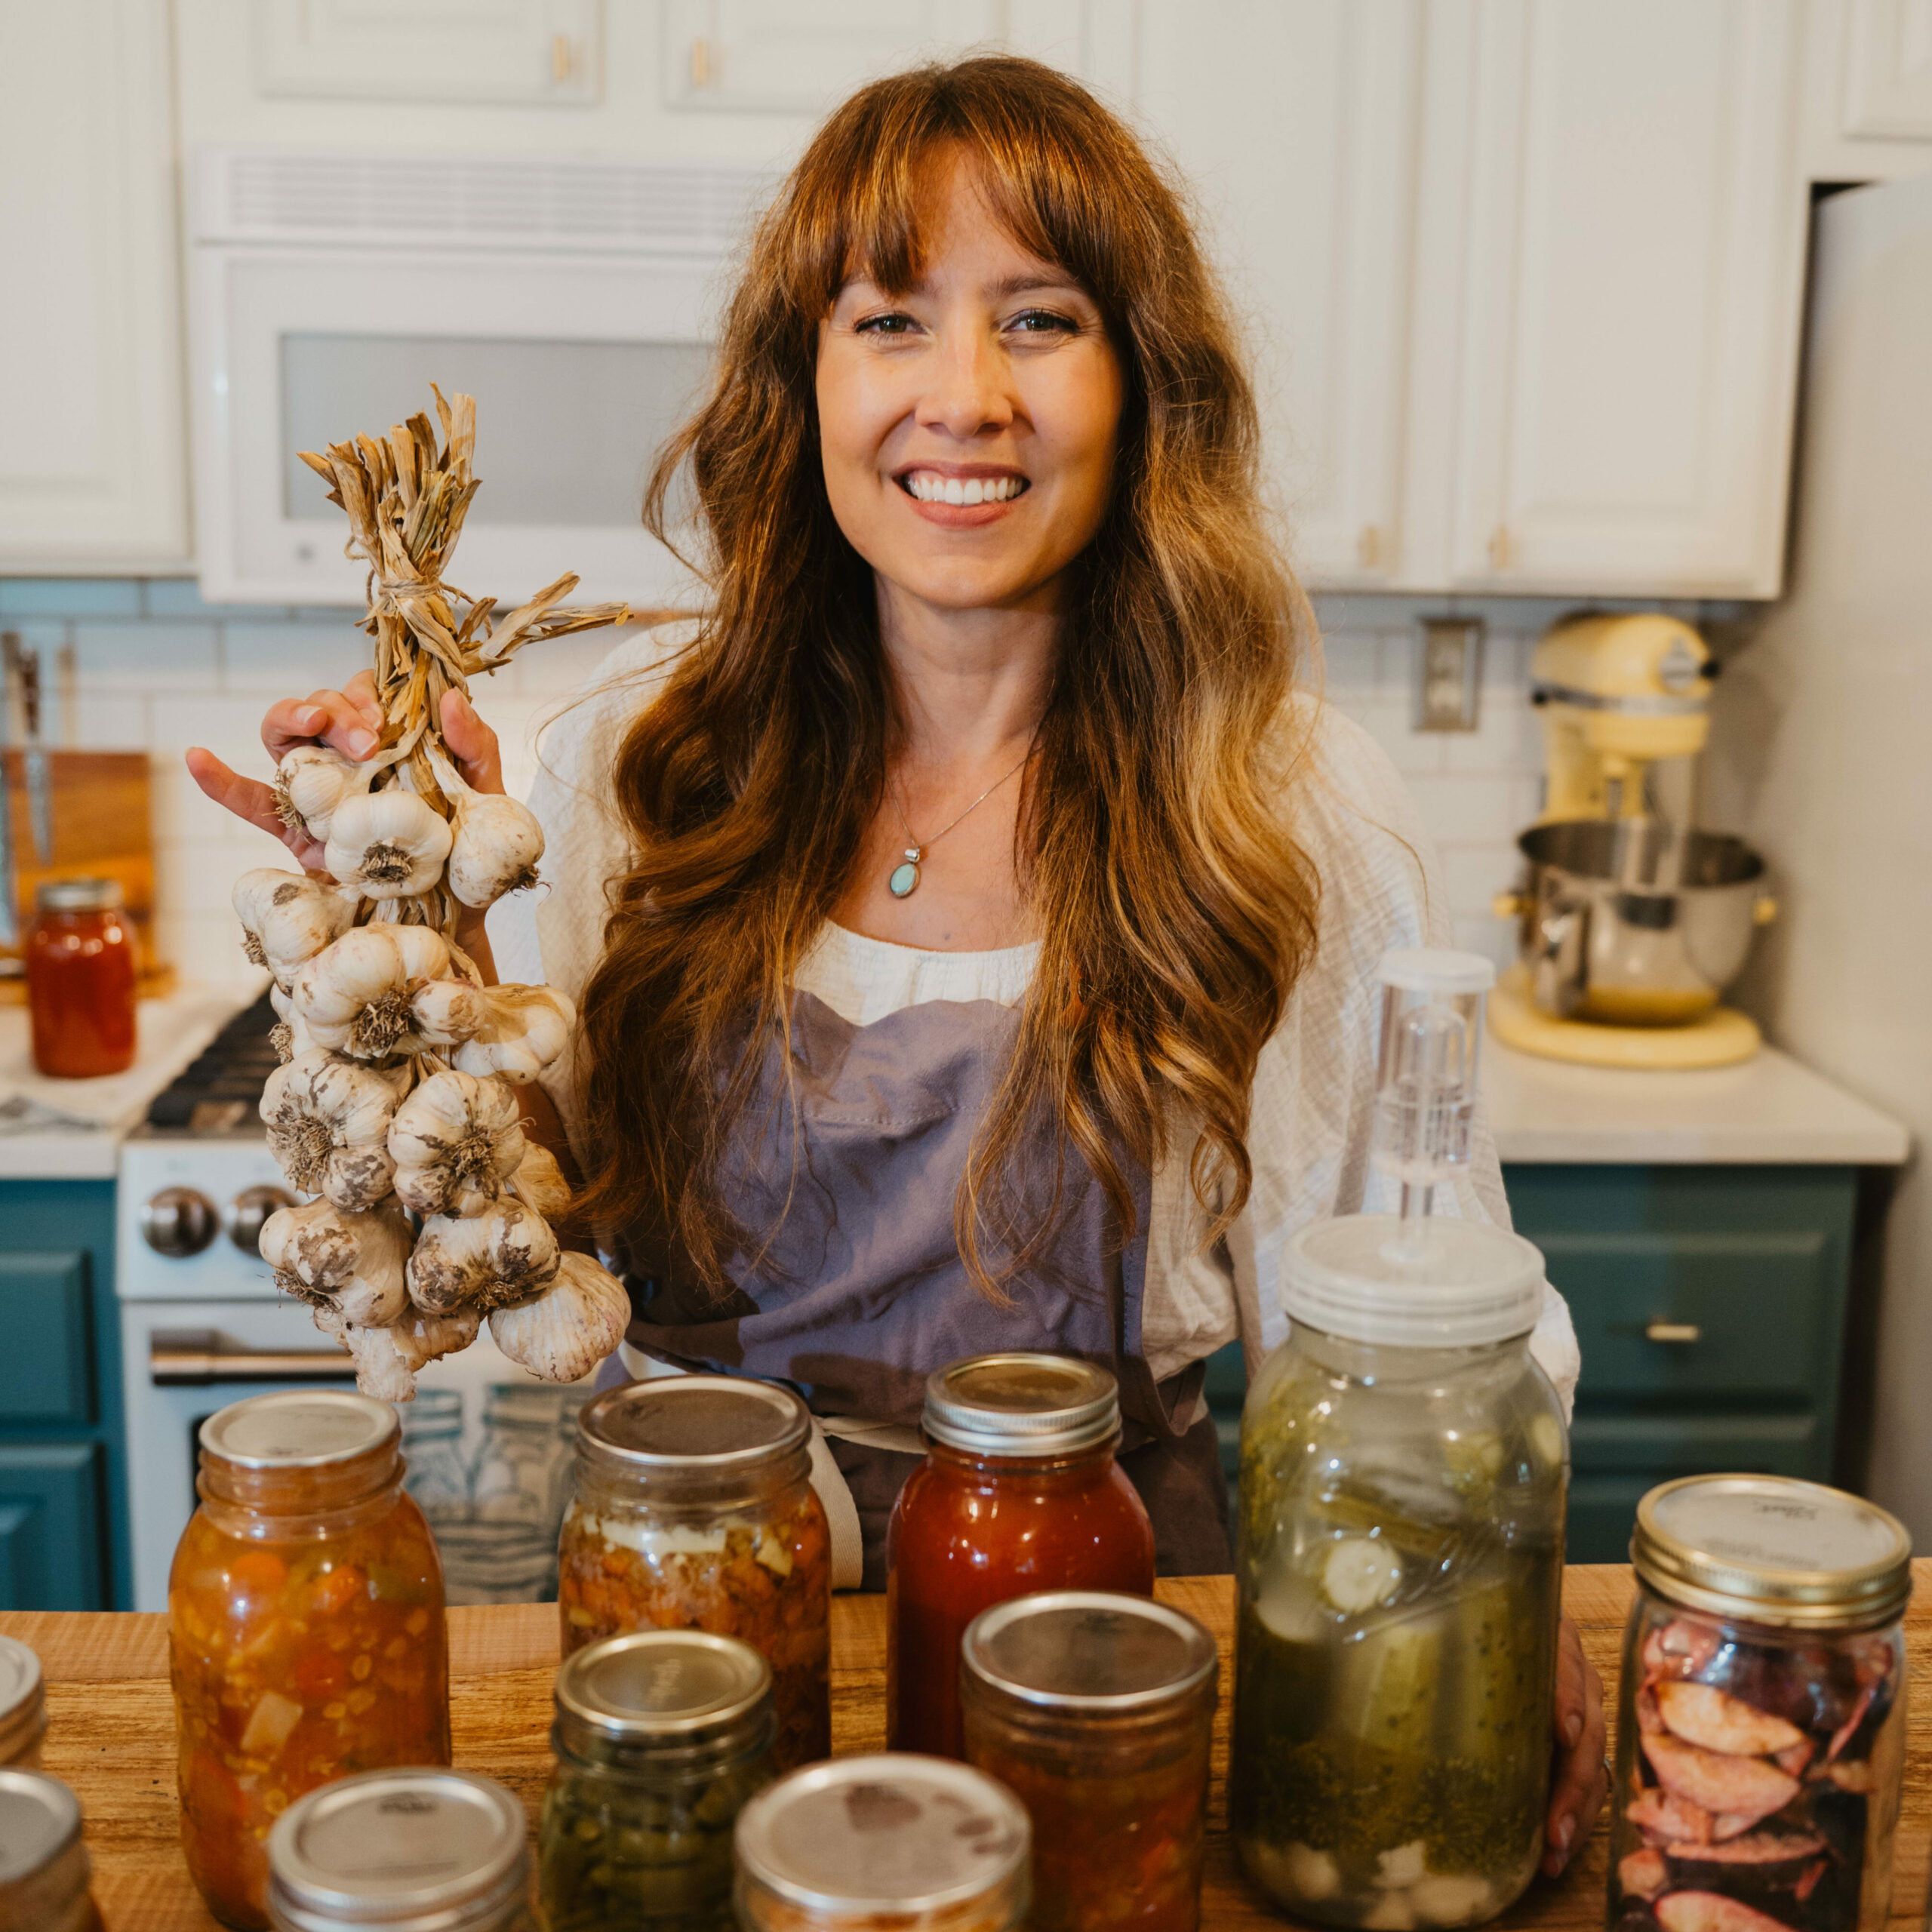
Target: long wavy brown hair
[{"x": 1172, "y": 906}]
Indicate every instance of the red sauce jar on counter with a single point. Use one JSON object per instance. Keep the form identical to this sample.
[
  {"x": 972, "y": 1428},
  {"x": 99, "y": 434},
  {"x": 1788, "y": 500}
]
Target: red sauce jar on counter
[
  {"x": 80, "y": 959},
  {"x": 1019, "y": 1491}
]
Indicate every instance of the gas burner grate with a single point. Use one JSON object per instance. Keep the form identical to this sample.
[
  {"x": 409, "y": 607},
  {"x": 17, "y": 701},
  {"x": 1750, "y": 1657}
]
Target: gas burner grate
[{"x": 217, "y": 1091}]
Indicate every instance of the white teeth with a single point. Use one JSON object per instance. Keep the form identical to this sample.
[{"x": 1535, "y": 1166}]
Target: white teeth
[
  {"x": 955, "y": 491},
  {"x": 928, "y": 488},
  {"x": 973, "y": 492}
]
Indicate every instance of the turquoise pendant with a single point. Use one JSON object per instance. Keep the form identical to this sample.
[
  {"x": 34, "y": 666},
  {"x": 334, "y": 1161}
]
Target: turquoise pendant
[{"x": 905, "y": 876}]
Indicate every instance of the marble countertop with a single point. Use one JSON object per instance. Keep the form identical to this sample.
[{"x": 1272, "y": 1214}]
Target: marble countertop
[
  {"x": 71, "y": 1130},
  {"x": 1768, "y": 1110}
]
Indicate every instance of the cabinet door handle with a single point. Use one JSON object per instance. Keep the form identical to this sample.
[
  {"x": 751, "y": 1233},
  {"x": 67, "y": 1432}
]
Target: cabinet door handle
[
  {"x": 1368, "y": 547},
  {"x": 700, "y": 63},
  {"x": 1501, "y": 548},
  {"x": 194, "y": 1357},
  {"x": 1681, "y": 1332},
  {"x": 560, "y": 58}
]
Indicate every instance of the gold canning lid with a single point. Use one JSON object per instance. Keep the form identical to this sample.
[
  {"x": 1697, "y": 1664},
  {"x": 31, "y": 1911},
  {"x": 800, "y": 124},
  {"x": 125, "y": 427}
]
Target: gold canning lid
[{"x": 1771, "y": 1549}]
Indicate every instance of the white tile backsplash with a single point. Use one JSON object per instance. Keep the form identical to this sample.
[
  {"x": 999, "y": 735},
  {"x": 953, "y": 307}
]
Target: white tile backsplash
[{"x": 158, "y": 668}]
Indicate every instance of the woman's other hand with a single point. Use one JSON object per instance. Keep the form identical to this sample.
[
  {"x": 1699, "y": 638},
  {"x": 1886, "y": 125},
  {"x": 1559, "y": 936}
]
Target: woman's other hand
[{"x": 1580, "y": 1782}]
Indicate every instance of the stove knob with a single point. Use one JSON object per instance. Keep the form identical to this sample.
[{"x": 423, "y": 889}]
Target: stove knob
[
  {"x": 248, "y": 1213},
  {"x": 179, "y": 1221}
]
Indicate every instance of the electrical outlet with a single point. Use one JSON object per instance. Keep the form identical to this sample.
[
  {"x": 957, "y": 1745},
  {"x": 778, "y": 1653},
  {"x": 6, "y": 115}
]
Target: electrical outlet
[{"x": 1449, "y": 675}]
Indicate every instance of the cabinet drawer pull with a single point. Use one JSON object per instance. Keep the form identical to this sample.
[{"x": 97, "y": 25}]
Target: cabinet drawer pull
[
  {"x": 1672, "y": 1331},
  {"x": 195, "y": 1358}
]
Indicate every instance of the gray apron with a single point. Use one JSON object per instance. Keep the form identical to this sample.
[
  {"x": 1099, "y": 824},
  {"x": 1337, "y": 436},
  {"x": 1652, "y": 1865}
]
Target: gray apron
[{"x": 858, "y": 1292}]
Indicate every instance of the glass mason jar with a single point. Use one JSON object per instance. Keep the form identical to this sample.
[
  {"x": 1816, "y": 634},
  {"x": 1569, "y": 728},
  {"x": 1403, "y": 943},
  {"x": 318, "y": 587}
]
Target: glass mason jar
[
  {"x": 305, "y": 1623},
  {"x": 1399, "y": 1569},
  {"x": 407, "y": 1851},
  {"x": 693, "y": 1510},
  {"x": 44, "y": 1887},
  {"x": 661, "y": 1737},
  {"x": 1019, "y": 1491},
  {"x": 912, "y": 1844},
  {"x": 1760, "y": 1717},
  {"x": 23, "y": 1706},
  {"x": 81, "y": 967},
  {"x": 1097, "y": 1711}
]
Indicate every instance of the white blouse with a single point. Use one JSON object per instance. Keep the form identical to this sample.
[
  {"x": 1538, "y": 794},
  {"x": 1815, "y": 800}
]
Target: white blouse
[{"x": 1314, "y": 1092}]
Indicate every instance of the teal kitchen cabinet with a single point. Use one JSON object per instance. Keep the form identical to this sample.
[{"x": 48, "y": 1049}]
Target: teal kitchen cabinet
[{"x": 63, "y": 1538}]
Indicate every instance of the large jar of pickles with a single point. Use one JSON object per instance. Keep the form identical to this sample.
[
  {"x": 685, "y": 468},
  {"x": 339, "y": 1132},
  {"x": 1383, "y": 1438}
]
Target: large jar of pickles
[
  {"x": 1760, "y": 1718},
  {"x": 306, "y": 1627},
  {"x": 661, "y": 1737},
  {"x": 1097, "y": 1711},
  {"x": 1019, "y": 1491},
  {"x": 693, "y": 1509}
]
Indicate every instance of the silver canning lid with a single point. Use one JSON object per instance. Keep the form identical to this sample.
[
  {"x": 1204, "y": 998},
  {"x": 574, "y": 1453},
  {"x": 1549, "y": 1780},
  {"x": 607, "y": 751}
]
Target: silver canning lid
[
  {"x": 22, "y": 1700},
  {"x": 1772, "y": 1550},
  {"x": 676, "y": 1688},
  {"x": 298, "y": 1428},
  {"x": 704, "y": 1424},
  {"x": 896, "y": 1833},
  {"x": 43, "y": 1861},
  {"x": 1021, "y": 1405},
  {"x": 1089, "y": 1652},
  {"x": 78, "y": 895},
  {"x": 416, "y": 1849}
]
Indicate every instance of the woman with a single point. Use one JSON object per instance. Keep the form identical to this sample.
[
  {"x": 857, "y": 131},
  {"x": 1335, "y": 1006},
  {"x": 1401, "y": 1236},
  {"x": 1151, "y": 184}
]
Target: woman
[{"x": 972, "y": 931}]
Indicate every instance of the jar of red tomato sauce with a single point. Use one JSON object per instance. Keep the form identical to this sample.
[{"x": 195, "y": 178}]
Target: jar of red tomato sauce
[
  {"x": 80, "y": 961},
  {"x": 1019, "y": 1491},
  {"x": 306, "y": 1627}
]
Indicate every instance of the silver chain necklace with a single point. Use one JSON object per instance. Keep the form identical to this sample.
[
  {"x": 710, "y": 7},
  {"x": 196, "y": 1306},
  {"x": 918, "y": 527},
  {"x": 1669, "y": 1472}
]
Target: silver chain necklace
[{"x": 905, "y": 878}]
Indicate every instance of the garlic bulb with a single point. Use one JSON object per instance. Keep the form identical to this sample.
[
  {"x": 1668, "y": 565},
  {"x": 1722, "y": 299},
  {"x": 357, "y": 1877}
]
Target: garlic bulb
[
  {"x": 455, "y": 1141},
  {"x": 355, "y": 998},
  {"x": 328, "y": 1123},
  {"x": 445, "y": 1012},
  {"x": 309, "y": 782},
  {"x": 288, "y": 917},
  {"x": 571, "y": 1327},
  {"x": 390, "y": 844},
  {"x": 539, "y": 1182},
  {"x": 525, "y": 1034},
  {"x": 350, "y": 1264},
  {"x": 497, "y": 843},
  {"x": 487, "y": 1260},
  {"x": 288, "y": 1036},
  {"x": 381, "y": 1369}
]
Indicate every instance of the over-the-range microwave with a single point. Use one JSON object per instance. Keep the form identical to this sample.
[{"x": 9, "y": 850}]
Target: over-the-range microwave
[{"x": 573, "y": 298}]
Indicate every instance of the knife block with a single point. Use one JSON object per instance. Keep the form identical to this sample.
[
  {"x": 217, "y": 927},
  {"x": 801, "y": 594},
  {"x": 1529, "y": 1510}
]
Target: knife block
[{"x": 101, "y": 829}]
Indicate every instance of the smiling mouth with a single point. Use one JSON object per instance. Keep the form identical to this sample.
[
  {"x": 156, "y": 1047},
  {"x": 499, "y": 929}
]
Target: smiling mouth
[{"x": 928, "y": 486}]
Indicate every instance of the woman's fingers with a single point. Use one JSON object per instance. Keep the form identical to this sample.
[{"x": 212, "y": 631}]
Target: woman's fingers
[
  {"x": 1579, "y": 1787},
  {"x": 472, "y": 743},
  {"x": 329, "y": 717},
  {"x": 249, "y": 799}
]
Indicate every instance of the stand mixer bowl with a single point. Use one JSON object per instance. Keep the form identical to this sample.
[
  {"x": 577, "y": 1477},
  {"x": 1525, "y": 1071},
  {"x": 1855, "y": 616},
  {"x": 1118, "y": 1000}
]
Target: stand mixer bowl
[{"x": 1635, "y": 923}]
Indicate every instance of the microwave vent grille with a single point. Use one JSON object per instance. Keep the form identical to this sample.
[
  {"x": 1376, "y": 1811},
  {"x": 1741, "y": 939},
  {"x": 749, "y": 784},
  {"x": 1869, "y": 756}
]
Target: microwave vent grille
[{"x": 626, "y": 206}]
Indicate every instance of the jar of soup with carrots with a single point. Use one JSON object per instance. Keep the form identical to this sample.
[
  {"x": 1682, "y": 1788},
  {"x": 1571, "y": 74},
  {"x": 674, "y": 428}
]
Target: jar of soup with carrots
[{"x": 306, "y": 1627}]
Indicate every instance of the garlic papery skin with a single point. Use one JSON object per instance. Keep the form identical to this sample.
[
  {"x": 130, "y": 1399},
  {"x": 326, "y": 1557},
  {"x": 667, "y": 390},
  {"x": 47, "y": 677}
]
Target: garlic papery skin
[
  {"x": 309, "y": 782},
  {"x": 388, "y": 845},
  {"x": 382, "y": 1370},
  {"x": 445, "y": 1012},
  {"x": 350, "y": 1264},
  {"x": 505, "y": 1254},
  {"x": 454, "y": 1142},
  {"x": 571, "y": 1327},
  {"x": 288, "y": 917},
  {"x": 355, "y": 997},
  {"x": 526, "y": 1033},
  {"x": 328, "y": 1122},
  {"x": 539, "y": 1182},
  {"x": 497, "y": 842},
  {"x": 288, "y": 1036}
]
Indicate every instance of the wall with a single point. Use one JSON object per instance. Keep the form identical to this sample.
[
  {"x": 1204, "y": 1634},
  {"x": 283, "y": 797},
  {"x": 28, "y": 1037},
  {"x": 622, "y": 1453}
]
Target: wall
[{"x": 159, "y": 669}]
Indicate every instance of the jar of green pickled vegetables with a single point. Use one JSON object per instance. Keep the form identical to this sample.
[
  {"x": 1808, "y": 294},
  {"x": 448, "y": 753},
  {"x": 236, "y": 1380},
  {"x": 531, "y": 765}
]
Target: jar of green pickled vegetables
[
  {"x": 661, "y": 1737},
  {"x": 1403, "y": 1467}
]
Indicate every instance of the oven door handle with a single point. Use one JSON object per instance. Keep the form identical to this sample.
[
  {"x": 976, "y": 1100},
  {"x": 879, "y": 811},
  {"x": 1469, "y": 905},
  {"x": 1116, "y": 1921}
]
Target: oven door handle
[{"x": 196, "y": 1358}]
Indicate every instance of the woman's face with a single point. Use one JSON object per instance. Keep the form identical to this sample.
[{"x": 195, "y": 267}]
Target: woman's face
[{"x": 968, "y": 426}]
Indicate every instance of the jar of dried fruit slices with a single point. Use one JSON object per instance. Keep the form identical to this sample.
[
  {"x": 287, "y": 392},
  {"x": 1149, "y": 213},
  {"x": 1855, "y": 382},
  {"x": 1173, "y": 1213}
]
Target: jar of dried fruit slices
[
  {"x": 306, "y": 1626},
  {"x": 1761, "y": 1722},
  {"x": 895, "y": 1843},
  {"x": 1096, "y": 1710},
  {"x": 693, "y": 1510}
]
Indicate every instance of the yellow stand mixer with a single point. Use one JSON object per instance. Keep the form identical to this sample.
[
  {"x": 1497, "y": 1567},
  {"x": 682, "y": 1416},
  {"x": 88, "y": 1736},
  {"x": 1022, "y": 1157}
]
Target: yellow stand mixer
[{"x": 1629, "y": 923}]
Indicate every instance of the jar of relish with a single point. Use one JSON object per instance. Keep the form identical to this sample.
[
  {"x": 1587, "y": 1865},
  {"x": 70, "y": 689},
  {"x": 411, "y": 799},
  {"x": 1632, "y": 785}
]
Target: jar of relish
[
  {"x": 81, "y": 972},
  {"x": 1019, "y": 1491}
]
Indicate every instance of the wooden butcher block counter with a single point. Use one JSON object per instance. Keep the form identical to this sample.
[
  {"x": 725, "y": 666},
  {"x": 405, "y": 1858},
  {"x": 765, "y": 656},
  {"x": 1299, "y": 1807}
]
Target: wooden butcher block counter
[{"x": 111, "y": 1736}]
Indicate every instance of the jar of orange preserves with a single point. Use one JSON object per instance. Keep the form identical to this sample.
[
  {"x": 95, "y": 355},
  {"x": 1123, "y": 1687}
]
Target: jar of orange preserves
[
  {"x": 82, "y": 960},
  {"x": 306, "y": 1627}
]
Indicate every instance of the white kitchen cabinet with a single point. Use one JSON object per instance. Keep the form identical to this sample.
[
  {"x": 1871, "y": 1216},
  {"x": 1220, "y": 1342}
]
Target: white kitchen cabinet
[
  {"x": 1631, "y": 245},
  {"x": 1867, "y": 111},
  {"x": 1295, "y": 121},
  {"x": 92, "y": 471}
]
